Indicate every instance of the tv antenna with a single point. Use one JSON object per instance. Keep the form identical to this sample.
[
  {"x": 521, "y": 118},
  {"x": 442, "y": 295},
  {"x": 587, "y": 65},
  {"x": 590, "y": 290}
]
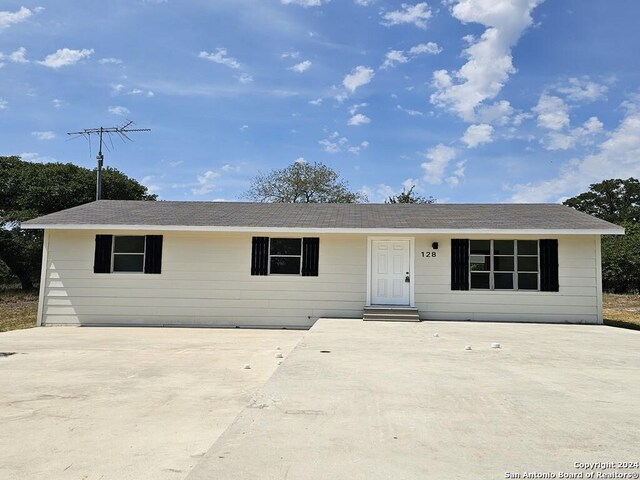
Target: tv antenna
[{"x": 109, "y": 131}]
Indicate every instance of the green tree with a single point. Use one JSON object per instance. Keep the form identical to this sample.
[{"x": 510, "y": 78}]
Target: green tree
[
  {"x": 409, "y": 196},
  {"x": 302, "y": 183},
  {"x": 28, "y": 190},
  {"x": 616, "y": 201}
]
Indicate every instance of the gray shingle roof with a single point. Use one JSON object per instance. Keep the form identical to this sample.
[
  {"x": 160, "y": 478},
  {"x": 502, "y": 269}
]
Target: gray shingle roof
[{"x": 307, "y": 216}]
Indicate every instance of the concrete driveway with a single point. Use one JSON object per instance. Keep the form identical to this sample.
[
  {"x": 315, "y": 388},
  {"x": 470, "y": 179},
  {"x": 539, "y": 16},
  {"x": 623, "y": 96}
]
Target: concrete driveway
[
  {"x": 393, "y": 401},
  {"x": 124, "y": 403}
]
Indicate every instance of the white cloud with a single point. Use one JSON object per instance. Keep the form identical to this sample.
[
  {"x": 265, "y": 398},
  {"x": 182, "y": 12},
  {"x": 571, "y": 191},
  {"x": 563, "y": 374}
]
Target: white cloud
[
  {"x": 11, "y": 18},
  {"x": 316, "y": 102},
  {"x": 431, "y": 48},
  {"x": 300, "y": 160},
  {"x": 206, "y": 183},
  {"x": 119, "y": 110},
  {"x": 137, "y": 91},
  {"x": 48, "y": 135},
  {"x": 499, "y": 113},
  {"x": 618, "y": 156},
  {"x": 291, "y": 54},
  {"x": 579, "y": 135},
  {"x": 244, "y": 78},
  {"x": 392, "y": 58},
  {"x": 117, "y": 88},
  {"x": 477, "y": 135},
  {"x": 220, "y": 56},
  {"x": 553, "y": 113},
  {"x": 439, "y": 158},
  {"x": 354, "y": 108},
  {"x": 363, "y": 3},
  {"x": 3, "y": 104},
  {"x": 227, "y": 167},
  {"x": 148, "y": 182},
  {"x": 65, "y": 57},
  {"x": 301, "y": 67},
  {"x": 417, "y": 15},
  {"x": 329, "y": 146},
  {"x": 19, "y": 56},
  {"x": 110, "y": 61},
  {"x": 358, "y": 119},
  {"x": 489, "y": 57},
  {"x": 304, "y": 3},
  {"x": 413, "y": 113},
  {"x": 358, "y": 77},
  {"x": 57, "y": 103},
  {"x": 336, "y": 143},
  {"x": 35, "y": 157},
  {"x": 583, "y": 90}
]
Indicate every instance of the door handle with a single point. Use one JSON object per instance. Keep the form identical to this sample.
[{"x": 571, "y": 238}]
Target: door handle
[{"x": 407, "y": 279}]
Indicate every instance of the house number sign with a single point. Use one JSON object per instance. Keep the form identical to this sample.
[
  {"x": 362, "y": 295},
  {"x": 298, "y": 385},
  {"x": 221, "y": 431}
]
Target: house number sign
[{"x": 431, "y": 254}]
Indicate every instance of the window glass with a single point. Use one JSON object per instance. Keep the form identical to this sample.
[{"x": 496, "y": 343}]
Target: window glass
[
  {"x": 503, "y": 264},
  {"x": 527, "y": 247},
  {"x": 527, "y": 264},
  {"x": 128, "y": 263},
  {"x": 285, "y": 265},
  {"x": 503, "y": 247},
  {"x": 480, "y": 262},
  {"x": 129, "y": 244},
  {"x": 480, "y": 247},
  {"x": 503, "y": 281},
  {"x": 480, "y": 280},
  {"x": 528, "y": 281},
  {"x": 286, "y": 246}
]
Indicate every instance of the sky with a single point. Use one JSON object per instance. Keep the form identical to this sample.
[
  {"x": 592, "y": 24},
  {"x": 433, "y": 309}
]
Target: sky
[{"x": 468, "y": 100}]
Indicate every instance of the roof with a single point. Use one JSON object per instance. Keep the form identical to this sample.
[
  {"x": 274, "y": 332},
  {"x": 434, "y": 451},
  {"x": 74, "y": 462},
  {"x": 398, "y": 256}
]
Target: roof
[{"x": 330, "y": 217}]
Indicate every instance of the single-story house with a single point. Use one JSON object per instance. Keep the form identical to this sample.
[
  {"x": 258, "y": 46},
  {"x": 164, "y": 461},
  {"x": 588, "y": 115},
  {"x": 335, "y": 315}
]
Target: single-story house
[{"x": 114, "y": 262}]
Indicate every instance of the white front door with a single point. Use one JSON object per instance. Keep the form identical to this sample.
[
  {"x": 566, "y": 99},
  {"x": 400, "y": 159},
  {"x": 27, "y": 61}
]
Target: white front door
[{"x": 390, "y": 272}]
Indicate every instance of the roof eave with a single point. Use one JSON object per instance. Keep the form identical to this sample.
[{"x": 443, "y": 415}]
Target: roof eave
[{"x": 386, "y": 231}]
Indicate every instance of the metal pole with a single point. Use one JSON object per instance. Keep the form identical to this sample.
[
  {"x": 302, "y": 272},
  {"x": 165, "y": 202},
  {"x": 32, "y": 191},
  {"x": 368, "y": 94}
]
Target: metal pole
[{"x": 100, "y": 159}]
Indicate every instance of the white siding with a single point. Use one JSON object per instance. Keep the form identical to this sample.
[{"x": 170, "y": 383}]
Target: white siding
[
  {"x": 576, "y": 302},
  {"x": 206, "y": 281}
]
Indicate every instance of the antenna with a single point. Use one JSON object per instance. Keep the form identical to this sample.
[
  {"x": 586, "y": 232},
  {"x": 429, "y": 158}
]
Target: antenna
[{"x": 100, "y": 131}]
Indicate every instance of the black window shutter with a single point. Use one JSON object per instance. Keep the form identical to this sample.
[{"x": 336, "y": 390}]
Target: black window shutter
[
  {"x": 549, "y": 266},
  {"x": 153, "y": 254},
  {"x": 459, "y": 264},
  {"x": 310, "y": 256},
  {"x": 102, "y": 258},
  {"x": 260, "y": 256}
]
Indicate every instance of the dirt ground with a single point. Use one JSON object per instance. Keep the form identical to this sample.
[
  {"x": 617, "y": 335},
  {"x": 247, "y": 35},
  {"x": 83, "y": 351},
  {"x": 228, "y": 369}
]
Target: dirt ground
[
  {"x": 622, "y": 310},
  {"x": 17, "y": 309}
]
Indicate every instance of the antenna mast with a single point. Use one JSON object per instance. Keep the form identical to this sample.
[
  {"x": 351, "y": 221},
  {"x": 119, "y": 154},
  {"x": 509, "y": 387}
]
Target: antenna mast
[{"x": 100, "y": 131}]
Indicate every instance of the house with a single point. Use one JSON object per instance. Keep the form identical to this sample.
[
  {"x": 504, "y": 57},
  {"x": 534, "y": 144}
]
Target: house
[{"x": 286, "y": 265}]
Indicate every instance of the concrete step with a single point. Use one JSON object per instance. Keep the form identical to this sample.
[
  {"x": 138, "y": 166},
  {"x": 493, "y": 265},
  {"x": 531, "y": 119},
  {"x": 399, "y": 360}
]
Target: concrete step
[{"x": 391, "y": 314}]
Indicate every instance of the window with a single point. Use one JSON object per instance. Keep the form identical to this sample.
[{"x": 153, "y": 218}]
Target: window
[
  {"x": 504, "y": 264},
  {"x": 128, "y": 254},
  {"x": 285, "y": 256}
]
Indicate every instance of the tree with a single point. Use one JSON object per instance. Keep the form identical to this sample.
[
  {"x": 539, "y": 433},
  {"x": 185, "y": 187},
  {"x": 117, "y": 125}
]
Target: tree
[
  {"x": 409, "y": 196},
  {"x": 612, "y": 200},
  {"x": 616, "y": 201},
  {"x": 28, "y": 190},
  {"x": 302, "y": 183}
]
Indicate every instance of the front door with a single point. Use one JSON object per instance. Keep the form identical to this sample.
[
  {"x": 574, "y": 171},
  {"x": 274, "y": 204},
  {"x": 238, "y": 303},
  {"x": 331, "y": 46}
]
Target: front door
[{"x": 390, "y": 272}]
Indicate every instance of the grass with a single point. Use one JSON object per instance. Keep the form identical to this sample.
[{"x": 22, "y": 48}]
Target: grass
[
  {"x": 17, "y": 309},
  {"x": 622, "y": 310}
]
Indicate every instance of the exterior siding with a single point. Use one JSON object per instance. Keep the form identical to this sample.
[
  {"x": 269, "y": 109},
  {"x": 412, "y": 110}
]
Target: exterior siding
[
  {"x": 576, "y": 302},
  {"x": 206, "y": 281}
]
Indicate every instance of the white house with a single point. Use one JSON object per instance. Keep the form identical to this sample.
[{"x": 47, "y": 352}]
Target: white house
[{"x": 116, "y": 262}]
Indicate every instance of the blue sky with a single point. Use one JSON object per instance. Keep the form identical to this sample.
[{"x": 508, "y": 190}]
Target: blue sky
[{"x": 469, "y": 100}]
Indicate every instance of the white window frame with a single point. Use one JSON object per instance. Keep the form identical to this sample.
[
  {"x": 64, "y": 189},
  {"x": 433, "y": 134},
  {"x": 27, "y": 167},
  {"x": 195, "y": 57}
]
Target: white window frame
[
  {"x": 113, "y": 253},
  {"x": 515, "y": 272},
  {"x": 291, "y": 256}
]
